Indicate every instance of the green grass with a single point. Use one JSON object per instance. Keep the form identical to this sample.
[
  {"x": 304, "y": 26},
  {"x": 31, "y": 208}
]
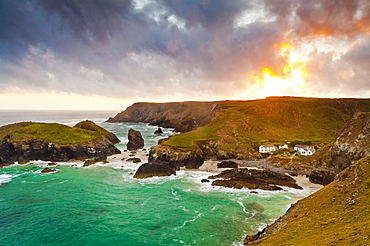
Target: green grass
[
  {"x": 51, "y": 132},
  {"x": 244, "y": 125},
  {"x": 338, "y": 214}
]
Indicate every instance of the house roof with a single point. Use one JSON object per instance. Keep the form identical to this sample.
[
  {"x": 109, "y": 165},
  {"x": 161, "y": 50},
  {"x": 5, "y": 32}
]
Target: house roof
[
  {"x": 300, "y": 146},
  {"x": 270, "y": 145}
]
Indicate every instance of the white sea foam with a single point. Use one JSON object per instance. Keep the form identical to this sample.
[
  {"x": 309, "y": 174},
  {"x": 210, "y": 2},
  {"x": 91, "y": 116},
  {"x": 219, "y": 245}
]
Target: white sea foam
[
  {"x": 189, "y": 221},
  {"x": 5, "y": 178},
  {"x": 242, "y": 205}
]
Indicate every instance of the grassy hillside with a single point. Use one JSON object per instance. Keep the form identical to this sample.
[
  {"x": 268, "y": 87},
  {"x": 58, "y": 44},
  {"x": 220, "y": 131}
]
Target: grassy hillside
[
  {"x": 51, "y": 132},
  {"x": 241, "y": 126},
  {"x": 338, "y": 214}
]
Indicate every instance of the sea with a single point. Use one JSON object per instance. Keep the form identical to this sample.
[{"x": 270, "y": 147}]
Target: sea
[{"x": 104, "y": 205}]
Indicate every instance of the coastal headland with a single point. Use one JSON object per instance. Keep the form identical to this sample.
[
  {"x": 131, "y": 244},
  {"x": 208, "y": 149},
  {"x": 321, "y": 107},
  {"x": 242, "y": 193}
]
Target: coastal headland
[
  {"x": 27, "y": 141},
  {"x": 337, "y": 128},
  {"x": 223, "y": 138}
]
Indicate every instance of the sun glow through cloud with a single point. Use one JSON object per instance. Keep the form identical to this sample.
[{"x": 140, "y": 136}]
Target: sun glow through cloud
[{"x": 289, "y": 81}]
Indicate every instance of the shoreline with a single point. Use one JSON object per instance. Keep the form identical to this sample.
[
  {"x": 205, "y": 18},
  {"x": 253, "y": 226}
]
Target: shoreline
[{"x": 211, "y": 167}]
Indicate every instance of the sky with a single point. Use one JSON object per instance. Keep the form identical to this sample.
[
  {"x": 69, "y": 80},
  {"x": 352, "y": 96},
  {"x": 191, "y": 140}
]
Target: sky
[{"x": 108, "y": 54}]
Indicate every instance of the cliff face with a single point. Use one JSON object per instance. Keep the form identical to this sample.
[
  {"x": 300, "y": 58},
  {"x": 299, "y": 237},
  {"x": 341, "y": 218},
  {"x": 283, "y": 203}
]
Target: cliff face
[
  {"x": 183, "y": 116},
  {"x": 352, "y": 143},
  {"x": 339, "y": 213},
  {"x": 23, "y": 142},
  {"x": 239, "y": 127}
]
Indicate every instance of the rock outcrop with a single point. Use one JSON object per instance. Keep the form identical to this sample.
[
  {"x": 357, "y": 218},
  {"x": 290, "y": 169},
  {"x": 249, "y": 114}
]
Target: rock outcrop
[
  {"x": 227, "y": 164},
  {"x": 351, "y": 144},
  {"x": 134, "y": 160},
  {"x": 148, "y": 170},
  {"x": 47, "y": 170},
  {"x": 100, "y": 158},
  {"x": 253, "y": 179},
  {"x": 321, "y": 176},
  {"x": 23, "y": 142},
  {"x": 175, "y": 159},
  {"x": 158, "y": 131},
  {"x": 135, "y": 140}
]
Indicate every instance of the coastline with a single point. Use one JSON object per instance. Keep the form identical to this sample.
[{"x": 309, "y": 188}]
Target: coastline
[{"x": 210, "y": 166}]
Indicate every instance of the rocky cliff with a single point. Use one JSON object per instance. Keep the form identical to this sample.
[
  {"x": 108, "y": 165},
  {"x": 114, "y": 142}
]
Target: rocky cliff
[
  {"x": 351, "y": 144},
  {"x": 339, "y": 213},
  {"x": 183, "y": 116},
  {"x": 239, "y": 127},
  {"x": 23, "y": 142}
]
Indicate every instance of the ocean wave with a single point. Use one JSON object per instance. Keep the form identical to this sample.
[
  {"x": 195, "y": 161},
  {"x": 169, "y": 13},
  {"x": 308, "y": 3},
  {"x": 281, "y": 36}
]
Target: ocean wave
[
  {"x": 189, "y": 221},
  {"x": 5, "y": 178}
]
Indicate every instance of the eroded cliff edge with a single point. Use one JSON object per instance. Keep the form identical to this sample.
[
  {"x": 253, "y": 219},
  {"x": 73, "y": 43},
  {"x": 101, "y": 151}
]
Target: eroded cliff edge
[
  {"x": 182, "y": 116},
  {"x": 27, "y": 141}
]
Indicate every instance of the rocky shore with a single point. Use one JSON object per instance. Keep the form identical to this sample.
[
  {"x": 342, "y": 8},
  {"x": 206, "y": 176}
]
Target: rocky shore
[{"x": 27, "y": 141}]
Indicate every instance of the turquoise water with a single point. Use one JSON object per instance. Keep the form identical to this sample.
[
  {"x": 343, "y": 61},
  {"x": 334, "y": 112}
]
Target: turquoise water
[{"x": 103, "y": 205}]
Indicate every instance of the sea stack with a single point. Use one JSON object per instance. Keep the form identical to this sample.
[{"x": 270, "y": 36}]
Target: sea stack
[
  {"x": 158, "y": 131},
  {"x": 135, "y": 140}
]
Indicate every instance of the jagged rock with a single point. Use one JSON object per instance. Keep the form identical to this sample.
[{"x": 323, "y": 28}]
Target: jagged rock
[
  {"x": 253, "y": 179},
  {"x": 158, "y": 131},
  {"x": 227, "y": 164},
  {"x": 135, "y": 140},
  {"x": 134, "y": 160},
  {"x": 148, "y": 170},
  {"x": 47, "y": 170},
  {"x": 321, "y": 176},
  {"x": 352, "y": 143},
  {"x": 101, "y": 158},
  {"x": 205, "y": 181},
  {"x": 175, "y": 158}
]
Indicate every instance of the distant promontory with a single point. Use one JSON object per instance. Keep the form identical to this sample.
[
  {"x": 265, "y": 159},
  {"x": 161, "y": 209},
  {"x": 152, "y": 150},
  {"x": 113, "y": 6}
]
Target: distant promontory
[{"x": 27, "y": 141}]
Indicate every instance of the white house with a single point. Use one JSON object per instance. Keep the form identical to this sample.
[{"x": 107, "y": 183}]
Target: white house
[
  {"x": 267, "y": 148},
  {"x": 283, "y": 146},
  {"x": 304, "y": 149}
]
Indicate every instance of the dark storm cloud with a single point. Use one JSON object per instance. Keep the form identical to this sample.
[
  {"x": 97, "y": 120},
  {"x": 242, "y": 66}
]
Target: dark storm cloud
[{"x": 119, "y": 48}]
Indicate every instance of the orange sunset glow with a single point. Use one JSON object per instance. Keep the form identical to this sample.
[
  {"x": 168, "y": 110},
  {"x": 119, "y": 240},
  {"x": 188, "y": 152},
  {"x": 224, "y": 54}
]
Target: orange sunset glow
[
  {"x": 110, "y": 54},
  {"x": 279, "y": 83}
]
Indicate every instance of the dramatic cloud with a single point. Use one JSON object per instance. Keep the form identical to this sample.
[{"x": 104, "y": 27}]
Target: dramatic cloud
[{"x": 199, "y": 49}]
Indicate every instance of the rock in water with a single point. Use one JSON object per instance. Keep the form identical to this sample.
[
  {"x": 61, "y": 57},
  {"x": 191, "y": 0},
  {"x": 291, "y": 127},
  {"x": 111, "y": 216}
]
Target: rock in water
[
  {"x": 47, "y": 170},
  {"x": 158, "y": 131},
  {"x": 100, "y": 158},
  {"x": 148, "y": 170},
  {"x": 135, "y": 140}
]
